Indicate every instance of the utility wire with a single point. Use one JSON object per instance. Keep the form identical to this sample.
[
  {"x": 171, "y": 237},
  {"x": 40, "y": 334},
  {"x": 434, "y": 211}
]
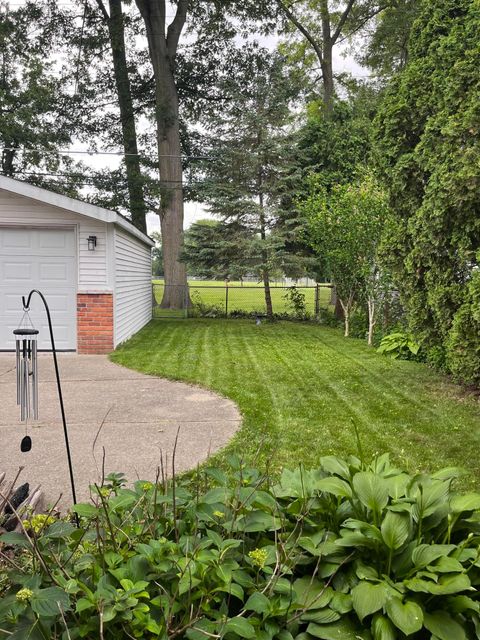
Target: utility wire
[{"x": 66, "y": 152}]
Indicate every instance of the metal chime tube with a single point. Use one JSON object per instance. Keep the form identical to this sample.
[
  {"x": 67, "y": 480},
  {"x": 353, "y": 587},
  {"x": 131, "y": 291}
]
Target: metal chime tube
[{"x": 27, "y": 373}]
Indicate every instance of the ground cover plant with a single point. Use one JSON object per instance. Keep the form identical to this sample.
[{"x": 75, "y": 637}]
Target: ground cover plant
[
  {"x": 348, "y": 551},
  {"x": 302, "y": 388}
]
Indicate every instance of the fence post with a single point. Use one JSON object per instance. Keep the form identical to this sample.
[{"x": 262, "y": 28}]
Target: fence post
[
  {"x": 317, "y": 300},
  {"x": 226, "y": 298}
]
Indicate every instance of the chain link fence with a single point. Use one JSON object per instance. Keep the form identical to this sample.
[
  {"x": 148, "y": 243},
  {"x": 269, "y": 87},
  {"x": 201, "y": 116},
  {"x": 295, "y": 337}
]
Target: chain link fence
[{"x": 215, "y": 300}]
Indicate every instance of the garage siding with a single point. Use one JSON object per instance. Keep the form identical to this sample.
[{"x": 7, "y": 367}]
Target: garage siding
[
  {"x": 133, "y": 285},
  {"x": 19, "y": 210}
]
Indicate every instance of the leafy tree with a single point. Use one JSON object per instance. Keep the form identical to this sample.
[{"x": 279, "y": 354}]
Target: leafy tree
[
  {"x": 385, "y": 49},
  {"x": 429, "y": 154},
  {"x": 157, "y": 258},
  {"x": 38, "y": 114},
  {"x": 323, "y": 25},
  {"x": 345, "y": 227}
]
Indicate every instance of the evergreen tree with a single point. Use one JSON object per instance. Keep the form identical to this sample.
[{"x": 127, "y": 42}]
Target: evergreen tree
[{"x": 429, "y": 155}]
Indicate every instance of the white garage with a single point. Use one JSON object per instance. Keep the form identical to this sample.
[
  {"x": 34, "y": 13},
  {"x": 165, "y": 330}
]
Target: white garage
[{"x": 92, "y": 265}]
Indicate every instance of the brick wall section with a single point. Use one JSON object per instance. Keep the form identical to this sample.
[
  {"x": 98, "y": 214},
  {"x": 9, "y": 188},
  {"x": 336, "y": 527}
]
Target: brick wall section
[{"x": 94, "y": 323}]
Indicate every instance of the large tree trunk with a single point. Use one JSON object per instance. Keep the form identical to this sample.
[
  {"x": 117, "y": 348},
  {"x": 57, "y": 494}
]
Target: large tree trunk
[
  {"x": 163, "y": 48},
  {"x": 326, "y": 60},
  {"x": 263, "y": 235},
  {"x": 116, "y": 33}
]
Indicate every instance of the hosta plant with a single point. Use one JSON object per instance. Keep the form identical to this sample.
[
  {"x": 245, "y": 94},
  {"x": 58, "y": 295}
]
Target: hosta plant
[{"x": 347, "y": 551}]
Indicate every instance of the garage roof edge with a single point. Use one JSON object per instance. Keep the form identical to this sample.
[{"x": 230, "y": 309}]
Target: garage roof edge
[{"x": 71, "y": 204}]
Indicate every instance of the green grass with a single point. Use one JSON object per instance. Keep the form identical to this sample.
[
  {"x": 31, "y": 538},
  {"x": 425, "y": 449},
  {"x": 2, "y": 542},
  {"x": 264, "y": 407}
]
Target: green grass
[
  {"x": 301, "y": 386},
  {"x": 249, "y": 297}
]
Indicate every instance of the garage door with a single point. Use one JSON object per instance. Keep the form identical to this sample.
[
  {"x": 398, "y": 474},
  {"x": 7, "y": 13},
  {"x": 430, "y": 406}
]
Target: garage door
[{"x": 43, "y": 259}]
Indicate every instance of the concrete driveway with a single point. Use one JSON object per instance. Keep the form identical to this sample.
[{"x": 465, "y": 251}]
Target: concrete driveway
[{"x": 132, "y": 416}]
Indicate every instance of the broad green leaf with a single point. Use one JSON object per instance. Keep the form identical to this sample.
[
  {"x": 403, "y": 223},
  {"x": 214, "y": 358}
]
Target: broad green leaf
[
  {"x": 335, "y": 465},
  {"x": 406, "y": 616},
  {"x": 83, "y": 604},
  {"x": 425, "y": 554},
  {"x": 395, "y": 529},
  {"x": 445, "y": 564},
  {"x": 459, "y": 604},
  {"x": 17, "y": 539},
  {"x": 442, "y": 625},
  {"x": 232, "y": 589},
  {"x": 48, "y": 602},
  {"x": 85, "y": 510},
  {"x": 311, "y": 593},
  {"x": 371, "y": 489},
  {"x": 241, "y": 627},
  {"x": 368, "y": 598},
  {"x": 467, "y": 502},
  {"x": 336, "y": 486},
  {"x": 341, "y": 630},
  {"x": 258, "y": 602},
  {"x": 321, "y": 616},
  {"x": 341, "y": 602},
  {"x": 59, "y": 529},
  {"x": 383, "y": 629},
  {"x": 446, "y": 585}
]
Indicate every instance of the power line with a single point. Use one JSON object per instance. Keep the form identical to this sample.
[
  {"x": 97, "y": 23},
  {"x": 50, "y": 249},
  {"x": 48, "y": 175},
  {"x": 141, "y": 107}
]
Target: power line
[{"x": 65, "y": 152}]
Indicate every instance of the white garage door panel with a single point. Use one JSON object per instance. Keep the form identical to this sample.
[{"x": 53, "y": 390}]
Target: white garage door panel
[{"x": 41, "y": 259}]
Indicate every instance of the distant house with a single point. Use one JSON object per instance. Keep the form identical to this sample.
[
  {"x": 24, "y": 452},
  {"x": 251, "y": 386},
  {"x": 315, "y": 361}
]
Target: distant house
[{"x": 92, "y": 265}]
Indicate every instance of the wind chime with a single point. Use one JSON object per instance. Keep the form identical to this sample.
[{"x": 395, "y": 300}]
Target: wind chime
[{"x": 27, "y": 374}]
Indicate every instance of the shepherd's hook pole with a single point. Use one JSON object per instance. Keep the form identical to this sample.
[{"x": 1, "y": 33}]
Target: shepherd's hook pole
[{"x": 26, "y": 305}]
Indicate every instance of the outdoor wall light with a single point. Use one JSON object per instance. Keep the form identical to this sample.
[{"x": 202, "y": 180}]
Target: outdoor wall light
[{"x": 92, "y": 242}]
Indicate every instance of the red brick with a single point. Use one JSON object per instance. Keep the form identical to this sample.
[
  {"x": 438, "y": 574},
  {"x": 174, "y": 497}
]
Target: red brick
[{"x": 95, "y": 323}]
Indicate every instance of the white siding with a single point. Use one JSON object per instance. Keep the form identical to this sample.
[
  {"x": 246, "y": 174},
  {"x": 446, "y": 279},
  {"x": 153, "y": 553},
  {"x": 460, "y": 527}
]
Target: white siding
[
  {"x": 133, "y": 285},
  {"x": 92, "y": 265}
]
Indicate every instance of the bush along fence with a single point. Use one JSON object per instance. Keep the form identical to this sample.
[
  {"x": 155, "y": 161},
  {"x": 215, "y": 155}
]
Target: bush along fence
[
  {"x": 229, "y": 300},
  {"x": 350, "y": 550}
]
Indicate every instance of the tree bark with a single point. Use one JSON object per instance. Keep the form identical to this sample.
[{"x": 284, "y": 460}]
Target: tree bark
[
  {"x": 346, "y": 317},
  {"x": 371, "y": 320},
  {"x": 163, "y": 48},
  {"x": 326, "y": 60},
  {"x": 116, "y": 33}
]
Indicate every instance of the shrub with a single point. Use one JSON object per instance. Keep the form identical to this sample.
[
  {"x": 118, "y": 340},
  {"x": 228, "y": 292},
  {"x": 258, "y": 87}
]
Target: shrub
[
  {"x": 400, "y": 345},
  {"x": 347, "y": 551}
]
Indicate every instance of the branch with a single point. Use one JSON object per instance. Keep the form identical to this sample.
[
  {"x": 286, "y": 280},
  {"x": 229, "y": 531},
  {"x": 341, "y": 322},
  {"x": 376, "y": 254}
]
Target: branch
[
  {"x": 360, "y": 26},
  {"x": 302, "y": 30},
  {"x": 175, "y": 28},
  {"x": 343, "y": 19},
  {"x": 103, "y": 10}
]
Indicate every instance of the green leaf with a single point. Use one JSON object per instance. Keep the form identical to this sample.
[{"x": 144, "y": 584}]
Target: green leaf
[
  {"x": 321, "y": 616},
  {"x": 85, "y": 510},
  {"x": 371, "y": 489},
  {"x": 83, "y": 604},
  {"x": 17, "y": 539},
  {"x": 311, "y": 593},
  {"x": 425, "y": 554},
  {"x": 368, "y": 598},
  {"x": 258, "y": 602},
  {"x": 383, "y": 629},
  {"x": 341, "y": 630},
  {"x": 241, "y": 627},
  {"x": 446, "y": 585},
  {"x": 48, "y": 602},
  {"x": 442, "y": 625},
  {"x": 467, "y": 502},
  {"x": 335, "y": 465},
  {"x": 408, "y": 616},
  {"x": 59, "y": 529},
  {"x": 395, "y": 529},
  {"x": 336, "y": 486}
]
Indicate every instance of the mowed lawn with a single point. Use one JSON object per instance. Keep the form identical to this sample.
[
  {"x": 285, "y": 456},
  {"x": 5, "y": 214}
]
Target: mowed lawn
[
  {"x": 247, "y": 297},
  {"x": 301, "y": 387}
]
